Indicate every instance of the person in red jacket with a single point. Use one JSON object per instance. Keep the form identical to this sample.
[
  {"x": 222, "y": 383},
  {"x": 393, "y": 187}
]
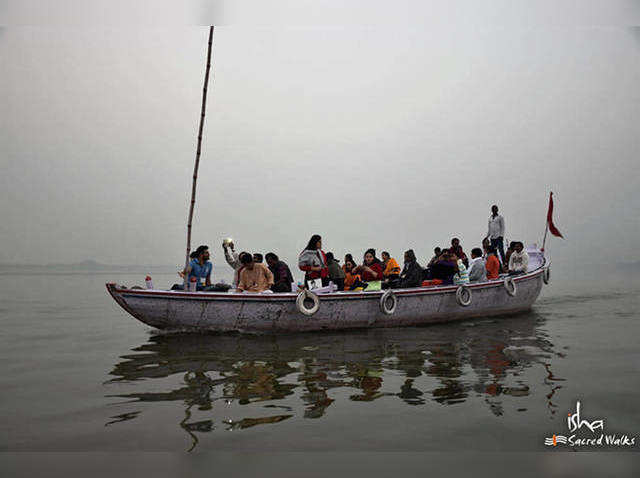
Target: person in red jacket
[
  {"x": 313, "y": 261},
  {"x": 371, "y": 270}
]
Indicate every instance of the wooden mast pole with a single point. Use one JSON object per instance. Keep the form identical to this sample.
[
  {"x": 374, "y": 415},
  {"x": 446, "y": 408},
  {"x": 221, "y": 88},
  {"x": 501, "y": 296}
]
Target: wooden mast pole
[{"x": 198, "y": 150}]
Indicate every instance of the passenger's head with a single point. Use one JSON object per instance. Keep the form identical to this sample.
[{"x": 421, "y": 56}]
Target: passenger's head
[
  {"x": 409, "y": 256},
  {"x": 246, "y": 260},
  {"x": 437, "y": 251},
  {"x": 385, "y": 256},
  {"x": 455, "y": 242},
  {"x": 369, "y": 257},
  {"x": 494, "y": 209},
  {"x": 491, "y": 250},
  {"x": 257, "y": 257},
  {"x": 330, "y": 257},
  {"x": 201, "y": 253},
  {"x": 271, "y": 259},
  {"x": 512, "y": 245},
  {"x": 348, "y": 257},
  {"x": 314, "y": 243},
  {"x": 349, "y": 265},
  {"x": 476, "y": 252},
  {"x": 372, "y": 252},
  {"x": 518, "y": 247}
]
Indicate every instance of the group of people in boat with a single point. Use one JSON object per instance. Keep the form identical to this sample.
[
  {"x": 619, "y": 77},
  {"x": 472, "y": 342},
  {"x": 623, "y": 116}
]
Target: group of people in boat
[{"x": 449, "y": 265}]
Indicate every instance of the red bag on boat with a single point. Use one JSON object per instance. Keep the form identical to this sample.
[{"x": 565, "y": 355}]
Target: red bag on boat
[{"x": 427, "y": 283}]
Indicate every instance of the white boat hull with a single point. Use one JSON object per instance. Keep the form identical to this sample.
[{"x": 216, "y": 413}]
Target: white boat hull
[{"x": 276, "y": 313}]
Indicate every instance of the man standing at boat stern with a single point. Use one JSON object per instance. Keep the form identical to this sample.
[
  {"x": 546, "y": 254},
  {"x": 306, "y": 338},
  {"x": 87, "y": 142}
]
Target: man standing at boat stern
[{"x": 495, "y": 231}]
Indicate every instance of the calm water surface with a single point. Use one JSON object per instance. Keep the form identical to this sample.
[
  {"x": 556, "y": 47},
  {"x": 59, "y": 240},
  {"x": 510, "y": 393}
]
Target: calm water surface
[{"x": 80, "y": 374}]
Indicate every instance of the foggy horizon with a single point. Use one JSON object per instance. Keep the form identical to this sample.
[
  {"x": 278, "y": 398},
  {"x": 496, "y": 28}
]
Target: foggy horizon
[{"x": 392, "y": 138}]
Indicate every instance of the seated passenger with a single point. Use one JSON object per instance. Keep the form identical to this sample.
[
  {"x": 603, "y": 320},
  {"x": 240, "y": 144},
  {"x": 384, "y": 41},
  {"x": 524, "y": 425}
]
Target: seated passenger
[
  {"x": 199, "y": 267},
  {"x": 456, "y": 249},
  {"x": 371, "y": 270},
  {"x": 507, "y": 256},
  {"x": 436, "y": 254},
  {"x": 519, "y": 260},
  {"x": 347, "y": 258},
  {"x": 351, "y": 279},
  {"x": 426, "y": 273},
  {"x": 282, "y": 277},
  {"x": 336, "y": 274},
  {"x": 253, "y": 277},
  {"x": 445, "y": 267},
  {"x": 411, "y": 275},
  {"x": 492, "y": 263},
  {"x": 257, "y": 258},
  {"x": 477, "y": 271},
  {"x": 462, "y": 275},
  {"x": 391, "y": 270}
]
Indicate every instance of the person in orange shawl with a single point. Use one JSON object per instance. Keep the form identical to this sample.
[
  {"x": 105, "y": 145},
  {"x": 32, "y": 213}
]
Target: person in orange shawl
[
  {"x": 391, "y": 270},
  {"x": 351, "y": 280},
  {"x": 492, "y": 263}
]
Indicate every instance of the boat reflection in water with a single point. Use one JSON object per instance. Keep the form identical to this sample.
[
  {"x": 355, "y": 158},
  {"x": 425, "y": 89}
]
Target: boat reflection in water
[{"x": 305, "y": 375}]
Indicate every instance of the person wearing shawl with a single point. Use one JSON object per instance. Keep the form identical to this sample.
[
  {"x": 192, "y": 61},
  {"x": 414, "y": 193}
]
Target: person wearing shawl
[
  {"x": 391, "y": 268},
  {"x": 462, "y": 276},
  {"x": 351, "y": 279},
  {"x": 411, "y": 275},
  {"x": 282, "y": 277},
  {"x": 313, "y": 261},
  {"x": 456, "y": 249},
  {"x": 371, "y": 270},
  {"x": 445, "y": 267},
  {"x": 347, "y": 258},
  {"x": 336, "y": 274},
  {"x": 492, "y": 264}
]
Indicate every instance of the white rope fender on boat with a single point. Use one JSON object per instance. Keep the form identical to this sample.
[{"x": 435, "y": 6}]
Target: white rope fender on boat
[
  {"x": 385, "y": 307},
  {"x": 546, "y": 275},
  {"x": 303, "y": 296},
  {"x": 463, "y": 296},
  {"x": 510, "y": 286}
]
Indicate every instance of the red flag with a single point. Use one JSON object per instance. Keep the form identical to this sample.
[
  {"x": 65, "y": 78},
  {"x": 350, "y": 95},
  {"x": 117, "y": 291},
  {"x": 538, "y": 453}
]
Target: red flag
[{"x": 552, "y": 228}]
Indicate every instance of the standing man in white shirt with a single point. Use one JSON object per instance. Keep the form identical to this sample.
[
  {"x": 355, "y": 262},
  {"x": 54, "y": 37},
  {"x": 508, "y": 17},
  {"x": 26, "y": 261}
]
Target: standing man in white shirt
[{"x": 495, "y": 232}]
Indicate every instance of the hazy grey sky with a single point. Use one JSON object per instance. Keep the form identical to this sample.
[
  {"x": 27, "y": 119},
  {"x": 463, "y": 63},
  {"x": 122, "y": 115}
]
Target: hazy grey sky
[{"x": 393, "y": 138}]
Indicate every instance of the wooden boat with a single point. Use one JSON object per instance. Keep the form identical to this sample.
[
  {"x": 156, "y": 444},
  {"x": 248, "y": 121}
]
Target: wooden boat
[{"x": 287, "y": 312}]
